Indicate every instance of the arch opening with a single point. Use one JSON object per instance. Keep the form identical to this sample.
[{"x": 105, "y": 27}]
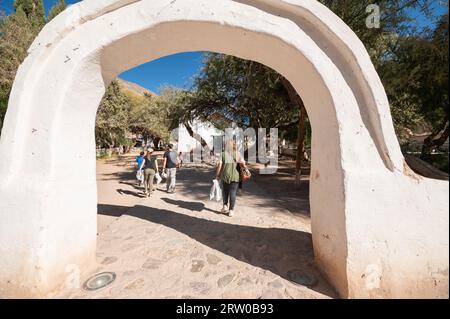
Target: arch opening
[
  {"x": 243, "y": 43},
  {"x": 263, "y": 241},
  {"x": 355, "y": 192}
]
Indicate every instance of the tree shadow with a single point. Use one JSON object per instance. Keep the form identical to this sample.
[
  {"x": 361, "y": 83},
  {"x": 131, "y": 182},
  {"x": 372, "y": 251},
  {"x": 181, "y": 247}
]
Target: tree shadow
[
  {"x": 126, "y": 175},
  {"x": 265, "y": 190},
  {"x": 132, "y": 184},
  {"x": 127, "y": 192},
  {"x": 272, "y": 249},
  {"x": 194, "y": 206}
]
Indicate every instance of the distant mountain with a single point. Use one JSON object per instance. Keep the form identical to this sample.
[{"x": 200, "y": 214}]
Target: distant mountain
[{"x": 134, "y": 88}]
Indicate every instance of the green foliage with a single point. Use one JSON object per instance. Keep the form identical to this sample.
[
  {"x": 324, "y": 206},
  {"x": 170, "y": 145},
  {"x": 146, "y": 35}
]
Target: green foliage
[
  {"x": 416, "y": 80},
  {"x": 395, "y": 21},
  {"x": 122, "y": 114},
  {"x": 412, "y": 63},
  {"x": 3, "y": 106},
  {"x": 103, "y": 154},
  {"x": 17, "y": 32},
  {"x": 16, "y": 35},
  {"x": 112, "y": 117},
  {"x": 59, "y": 7},
  {"x": 34, "y": 10},
  {"x": 147, "y": 118},
  {"x": 172, "y": 105},
  {"x": 251, "y": 94},
  {"x": 245, "y": 92}
]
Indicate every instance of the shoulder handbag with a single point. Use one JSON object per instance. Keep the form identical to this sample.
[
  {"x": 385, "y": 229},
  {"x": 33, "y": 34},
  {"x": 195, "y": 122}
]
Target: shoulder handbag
[{"x": 244, "y": 172}]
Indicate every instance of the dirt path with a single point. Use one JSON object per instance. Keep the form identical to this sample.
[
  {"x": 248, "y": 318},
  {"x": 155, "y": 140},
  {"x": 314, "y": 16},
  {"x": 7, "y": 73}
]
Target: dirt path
[
  {"x": 116, "y": 188},
  {"x": 179, "y": 246},
  {"x": 114, "y": 180}
]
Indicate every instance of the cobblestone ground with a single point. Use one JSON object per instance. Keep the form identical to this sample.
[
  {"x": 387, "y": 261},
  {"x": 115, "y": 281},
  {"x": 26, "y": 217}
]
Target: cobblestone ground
[{"x": 180, "y": 246}]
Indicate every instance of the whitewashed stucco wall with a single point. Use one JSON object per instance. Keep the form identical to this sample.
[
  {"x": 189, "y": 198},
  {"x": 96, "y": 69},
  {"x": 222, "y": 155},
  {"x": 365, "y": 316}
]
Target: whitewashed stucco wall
[{"x": 378, "y": 229}]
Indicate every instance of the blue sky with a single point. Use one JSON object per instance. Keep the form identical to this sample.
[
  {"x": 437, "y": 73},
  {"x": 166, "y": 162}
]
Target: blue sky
[
  {"x": 437, "y": 9},
  {"x": 179, "y": 69},
  {"x": 7, "y": 5},
  {"x": 175, "y": 70}
]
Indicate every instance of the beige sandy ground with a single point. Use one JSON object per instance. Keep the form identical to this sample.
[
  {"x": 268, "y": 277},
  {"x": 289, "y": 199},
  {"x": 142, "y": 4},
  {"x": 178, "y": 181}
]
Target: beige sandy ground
[{"x": 179, "y": 246}]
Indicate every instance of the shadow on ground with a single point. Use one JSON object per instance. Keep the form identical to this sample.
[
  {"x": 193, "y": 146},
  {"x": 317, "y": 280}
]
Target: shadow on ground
[
  {"x": 276, "y": 190},
  {"x": 194, "y": 206},
  {"x": 273, "y": 249}
]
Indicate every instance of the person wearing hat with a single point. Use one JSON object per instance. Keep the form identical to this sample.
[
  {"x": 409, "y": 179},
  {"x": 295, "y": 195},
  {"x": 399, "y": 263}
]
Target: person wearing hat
[
  {"x": 170, "y": 163},
  {"x": 150, "y": 167}
]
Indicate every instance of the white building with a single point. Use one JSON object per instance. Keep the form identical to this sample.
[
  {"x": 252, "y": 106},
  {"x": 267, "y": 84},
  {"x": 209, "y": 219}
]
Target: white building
[{"x": 206, "y": 130}]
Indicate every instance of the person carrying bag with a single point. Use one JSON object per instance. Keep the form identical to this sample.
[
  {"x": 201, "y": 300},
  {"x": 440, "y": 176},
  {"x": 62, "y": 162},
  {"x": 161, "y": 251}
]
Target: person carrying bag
[{"x": 230, "y": 172}]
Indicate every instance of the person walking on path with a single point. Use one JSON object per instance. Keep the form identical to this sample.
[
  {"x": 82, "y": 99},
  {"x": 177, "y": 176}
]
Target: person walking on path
[
  {"x": 180, "y": 159},
  {"x": 139, "y": 172},
  {"x": 228, "y": 172},
  {"x": 170, "y": 163},
  {"x": 150, "y": 167}
]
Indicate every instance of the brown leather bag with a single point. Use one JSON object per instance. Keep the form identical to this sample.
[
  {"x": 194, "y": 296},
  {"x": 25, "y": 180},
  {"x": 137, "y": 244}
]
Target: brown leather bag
[{"x": 244, "y": 172}]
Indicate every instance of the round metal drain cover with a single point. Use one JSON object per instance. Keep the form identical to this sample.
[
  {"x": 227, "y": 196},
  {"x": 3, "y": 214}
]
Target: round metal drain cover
[
  {"x": 99, "y": 281},
  {"x": 301, "y": 278}
]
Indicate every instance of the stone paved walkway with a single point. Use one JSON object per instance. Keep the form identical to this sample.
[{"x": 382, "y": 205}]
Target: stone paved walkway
[{"x": 179, "y": 246}]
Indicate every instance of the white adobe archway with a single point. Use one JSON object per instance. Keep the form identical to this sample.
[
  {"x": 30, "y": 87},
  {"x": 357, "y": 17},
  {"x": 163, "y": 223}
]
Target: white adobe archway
[{"x": 379, "y": 230}]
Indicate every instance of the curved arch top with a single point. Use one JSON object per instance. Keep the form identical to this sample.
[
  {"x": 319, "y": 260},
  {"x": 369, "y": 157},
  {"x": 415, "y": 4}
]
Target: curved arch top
[
  {"x": 328, "y": 32},
  {"x": 359, "y": 180}
]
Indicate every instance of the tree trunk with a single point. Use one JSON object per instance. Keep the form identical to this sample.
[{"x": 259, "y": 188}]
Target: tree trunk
[
  {"x": 301, "y": 154},
  {"x": 300, "y": 144},
  {"x": 198, "y": 138},
  {"x": 156, "y": 141},
  {"x": 435, "y": 140}
]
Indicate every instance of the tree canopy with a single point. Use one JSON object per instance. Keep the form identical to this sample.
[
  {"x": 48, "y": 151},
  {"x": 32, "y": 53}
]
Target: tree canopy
[
  {"x": 17, "y": 32},
  {"x": 416, "y": 79},
  {"x": 412, "y": 64},
  {"x": 56, "y": 9},
  {"x": 112, "y": 117},
  {"x": 246, "y": 92},
  {"x": 122, "y": 116},
  {"x": 34, "y": 11}
]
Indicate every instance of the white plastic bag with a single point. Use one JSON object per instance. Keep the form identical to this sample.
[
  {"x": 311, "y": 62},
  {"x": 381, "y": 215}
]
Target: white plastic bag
[
  {"x": 216, "y": 191},
  {"x": 140, "y": 176},
  {"x": 212, "y": 192},
  {"x": 158, "y": 178}
]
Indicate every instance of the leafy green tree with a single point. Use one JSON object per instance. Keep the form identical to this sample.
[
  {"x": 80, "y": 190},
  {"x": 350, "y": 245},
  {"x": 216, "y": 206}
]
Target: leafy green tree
[
  {"x": 17, "y": 32},
  {"x": 417, "y": 82},
  {"x": 412, "y": 63},
  {"x": 59, "y": 7},
  {"x": 34, "y": 10},
  {"x": 251, "y": 94},
  {"x": 122, "y": 114},
  {"x": 112, "y": 117},
  {"x": 248, "y": 94},
  {"x": 434, "y": 91},
  {"x": 16, "y": 35},
  {"x": 148, "y": 119},
  {"x": 395, "y": 20}
]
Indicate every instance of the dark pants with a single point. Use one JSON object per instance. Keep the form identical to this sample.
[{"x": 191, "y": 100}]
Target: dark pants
[{"x": 230, "y": 191}]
